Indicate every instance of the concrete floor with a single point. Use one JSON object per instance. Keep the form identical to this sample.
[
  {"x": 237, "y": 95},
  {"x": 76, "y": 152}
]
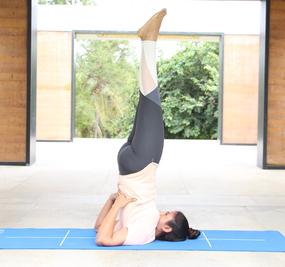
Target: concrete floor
[{"x": 217, "y": 187}]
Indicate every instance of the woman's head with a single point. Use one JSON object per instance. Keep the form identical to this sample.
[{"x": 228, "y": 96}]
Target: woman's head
[{"x": 173, "y": 226}]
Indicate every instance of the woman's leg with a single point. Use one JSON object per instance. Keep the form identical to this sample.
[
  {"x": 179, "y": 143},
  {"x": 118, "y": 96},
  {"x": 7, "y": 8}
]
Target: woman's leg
[
  {"x": 147, "y": 79},
  {"x": 145, "y": 143}
]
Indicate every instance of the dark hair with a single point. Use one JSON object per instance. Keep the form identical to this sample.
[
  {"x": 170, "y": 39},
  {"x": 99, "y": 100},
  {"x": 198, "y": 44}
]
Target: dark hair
[{"x": 180, "y": 230}]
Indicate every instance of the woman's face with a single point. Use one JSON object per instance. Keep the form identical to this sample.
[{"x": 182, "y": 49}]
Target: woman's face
[{"x": 165, "y": 217}]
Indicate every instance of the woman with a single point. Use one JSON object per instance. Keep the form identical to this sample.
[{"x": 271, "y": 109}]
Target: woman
[{"x": 130, "y": 216}]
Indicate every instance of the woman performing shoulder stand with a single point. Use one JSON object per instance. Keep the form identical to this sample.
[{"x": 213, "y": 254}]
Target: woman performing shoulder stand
[{"x": 139, "y": 221}]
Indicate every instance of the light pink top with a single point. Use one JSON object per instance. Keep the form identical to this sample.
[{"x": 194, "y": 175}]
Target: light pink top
[{"x": 140, "y": 217}]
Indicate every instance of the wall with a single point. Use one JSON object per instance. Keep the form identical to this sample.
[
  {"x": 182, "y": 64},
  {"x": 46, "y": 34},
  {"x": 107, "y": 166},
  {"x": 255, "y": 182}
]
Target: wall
[
  {"x": 13, "y": 80},
  {"x": 276, "y": 86},
  {"x": 54, "y": 76},
  {"x": 240, "y": 89}
]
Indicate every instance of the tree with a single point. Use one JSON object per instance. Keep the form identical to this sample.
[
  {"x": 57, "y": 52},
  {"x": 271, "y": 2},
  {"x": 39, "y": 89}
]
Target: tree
[
  {"x": 189, "y": 91},
  {"x": 106, "y": 89}
]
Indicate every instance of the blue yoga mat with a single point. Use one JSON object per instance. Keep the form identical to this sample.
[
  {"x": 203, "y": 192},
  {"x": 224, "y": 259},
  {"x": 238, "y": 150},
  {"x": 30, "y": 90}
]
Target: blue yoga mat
[{"x": 75, "y": 238}]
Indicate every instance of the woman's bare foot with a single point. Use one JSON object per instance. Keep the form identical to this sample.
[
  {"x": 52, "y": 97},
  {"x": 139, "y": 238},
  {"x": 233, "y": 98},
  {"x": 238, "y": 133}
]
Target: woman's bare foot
[{"x": 150, "y": 30}]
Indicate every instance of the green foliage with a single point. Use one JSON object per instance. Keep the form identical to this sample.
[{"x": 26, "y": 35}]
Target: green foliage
[
  {"x": 106, "y": 89},
  {"x": 189, "y": 90}
]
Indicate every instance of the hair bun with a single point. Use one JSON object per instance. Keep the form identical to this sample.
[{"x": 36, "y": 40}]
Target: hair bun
[{"x": 193, "y": 233}]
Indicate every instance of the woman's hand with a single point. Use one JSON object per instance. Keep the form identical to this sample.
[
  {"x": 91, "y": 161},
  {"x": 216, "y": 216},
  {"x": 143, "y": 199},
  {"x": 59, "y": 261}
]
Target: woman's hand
[
  {"x": 122, "y": 200},
  {"x": 113, "y": 197}
]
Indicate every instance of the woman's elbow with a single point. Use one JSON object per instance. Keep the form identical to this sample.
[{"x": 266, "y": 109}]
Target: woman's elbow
[
  {"x": 103, "y": 242},
  {"x": 99, "y": 242},
  {"x": 99, "y": 239}
]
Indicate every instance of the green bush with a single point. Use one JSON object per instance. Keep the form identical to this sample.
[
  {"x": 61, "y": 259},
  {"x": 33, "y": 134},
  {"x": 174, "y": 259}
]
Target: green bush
[
  {"x": 107, "y": 90},
  {"x": 188, "y": 84}
]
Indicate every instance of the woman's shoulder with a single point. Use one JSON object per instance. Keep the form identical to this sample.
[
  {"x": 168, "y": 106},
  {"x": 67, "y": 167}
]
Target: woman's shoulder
[
  {"x": 142, "y": 229},
  {"x": 149, "y": 212}
]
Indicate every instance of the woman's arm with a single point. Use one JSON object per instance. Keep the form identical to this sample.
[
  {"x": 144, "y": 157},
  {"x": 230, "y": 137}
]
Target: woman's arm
[
  {"x": 107, "y": 206},
  {"x": 106, "y": 235}
]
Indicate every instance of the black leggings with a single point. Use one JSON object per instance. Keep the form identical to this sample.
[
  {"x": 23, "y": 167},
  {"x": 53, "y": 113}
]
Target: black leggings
[{"x": 145, "y": 142}]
